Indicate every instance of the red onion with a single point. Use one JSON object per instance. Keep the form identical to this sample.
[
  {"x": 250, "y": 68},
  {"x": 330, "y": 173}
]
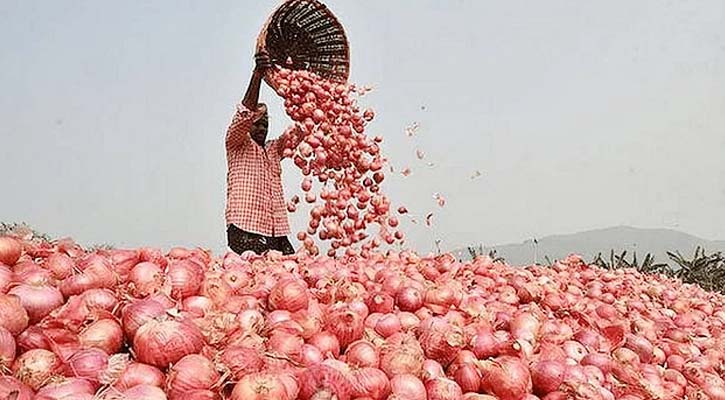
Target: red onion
[
  {"x": 324, "y": 382},
  {"x": 144, "y": 392},
  {"x": 60, "y": 265},
  {"x": 362, "y": 354},
  {"x": 484, "y": 345},
  {"x": 432, "y": 369},
  {"x": 197, "y": 305},
  {"x": 547, "y": 376},
  {"x": 344, "y": 323},
  {"x": 402, "y": 354},
  {"x": 38, "y": 301},
  {"x": 388, "y": 325},
  {"x": 100, "y": 299},
  {"x": 138, "y": 313},
  {"x": 185, "y": 277},
  {"x": 139, "y": 374},
  {"x": 89, "y": 364},
  {"x": 281, "y": 343},
  {"x": 443, "y": 389},
  {"x": 236, "y": 278},
  {"x": 310, "y": 355},
  {"x": 7, "y": 348},
  {"x": 145, "y": 278},
  {"x": 525, "y": 326},
  {"x": 409, "y": 299},
  {"x": 9, "y": 384},
  {"x": 381, "y": 303},
  {"x": 105, "y": 334},
  {"x": 506, "y": 377},
  {"x": 407, "y": 387},
  {"x": 6, "y": 278},
  {"x": 408, "y": 320},
  {"x": 200, "y": 395},
  {"x": 193, "y": 372},
  {"x": 35, "y": 367},
  {"x": 260, "y": 386},
  {"x": 163, "y": 343},
  {"x": 32, "y": 338},
  {"x": 10, "y": 250},
  {"x": 468, "y": 377},
  {"x": 441, "y": 340},
  {"x": 371, "y": 382},
  {"x": 69, "y": 388},
  {"x": 289, "y": 295},
  {"x": 327, "y": 343}
]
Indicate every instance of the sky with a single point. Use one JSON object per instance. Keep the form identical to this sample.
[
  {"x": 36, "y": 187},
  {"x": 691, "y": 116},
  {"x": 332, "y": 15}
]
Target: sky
[{"x": 578, "y": 115}]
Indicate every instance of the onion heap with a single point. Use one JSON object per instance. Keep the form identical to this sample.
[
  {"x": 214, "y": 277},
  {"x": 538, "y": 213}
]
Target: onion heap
[
  {"x": 188, "y": 325},
  {"x": 328, "y": 143}
]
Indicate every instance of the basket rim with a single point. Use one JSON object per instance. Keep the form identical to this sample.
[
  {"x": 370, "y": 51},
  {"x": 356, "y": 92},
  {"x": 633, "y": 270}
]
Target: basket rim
[{"x": 262, "y": 37}]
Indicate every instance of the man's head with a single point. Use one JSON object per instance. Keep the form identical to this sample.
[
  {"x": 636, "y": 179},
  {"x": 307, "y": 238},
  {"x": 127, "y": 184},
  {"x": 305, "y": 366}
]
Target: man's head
[{"x": 260, "y": 128}]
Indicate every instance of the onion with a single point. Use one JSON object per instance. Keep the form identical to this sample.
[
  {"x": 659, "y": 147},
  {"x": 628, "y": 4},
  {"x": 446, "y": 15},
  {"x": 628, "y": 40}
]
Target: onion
[
  {"x": 344, "y": 323},
  {"x": 289, "y": 295},
  {"x": 401, "y": 354},
  {"x": 193, "y": 372},
  {"x": 145, "y": 278},
  {"x": 10, "y": 385},
  {"x": 324, "y": 382},
  {"x": 484, "y": 345},
  {"x": 139, "y": 374},
  {"x": 310, "y": 355},
  {"x": 362, "y": 354},
  {"x": 389, "y": 324},
  {"x": 38, "y": 301},
  {"x": 163, "y": 343},
  {"x": 197, "y": 305},
  {"x": 144, "y": 392},
  {"x": 7, "y": 348},
  {"x": 200, "y": 395},
  {"x": 468, "y": 377},
  {"x": 407, "y": 387},
  {"x": 185, "y": 277},
  {"x": 432, "y": 369},
  {"x": 441, "y": 340},
  {"x": 285, "y": 344},
  {"x": 32, "y": 338},
  {"x": 67, "y": 389},
  {"x": 105, "y": 334},
  {"x": 260, "y": 386},
  {"x": 506, "y": 377},
  {"x": 525, "y": 326},
  {"x": 60, "y": 265},
  {"x": 327, "y": 343},
  {"x": 138, "y": 313},
  {"x": 547, "y": 376},
  {"x": 381, "y": 303},
  {"x": 443, "y": 389},
  {"x": 89, "y": 364},
  {"x": 409, "y": 299},
  {"x": 371, "y": 382},
  {"x": 10, "y": 250},
  {"x": 6, "y": 278},
  {"x": 35, "y": 367},
  {"x": 236, "y": 278}
]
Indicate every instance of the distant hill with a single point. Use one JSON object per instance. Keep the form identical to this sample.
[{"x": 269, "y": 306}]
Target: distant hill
[{"x": 588, "y": 244}]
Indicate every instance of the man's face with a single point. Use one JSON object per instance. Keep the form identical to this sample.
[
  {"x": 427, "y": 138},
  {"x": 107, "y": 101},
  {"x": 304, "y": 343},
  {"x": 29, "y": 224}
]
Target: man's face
[{"x": 259, "y": 130}]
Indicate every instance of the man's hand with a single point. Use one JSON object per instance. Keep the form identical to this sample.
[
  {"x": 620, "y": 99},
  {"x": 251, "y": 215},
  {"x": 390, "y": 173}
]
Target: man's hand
[{"x": 263, "y": 62}]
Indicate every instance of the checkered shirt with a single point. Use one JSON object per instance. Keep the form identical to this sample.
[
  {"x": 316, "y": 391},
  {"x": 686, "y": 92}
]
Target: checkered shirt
[{"x": 255, "y": 200}]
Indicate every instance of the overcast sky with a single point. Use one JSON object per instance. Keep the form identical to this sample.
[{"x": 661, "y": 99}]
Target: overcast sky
[{"x": 579, "y": 115}]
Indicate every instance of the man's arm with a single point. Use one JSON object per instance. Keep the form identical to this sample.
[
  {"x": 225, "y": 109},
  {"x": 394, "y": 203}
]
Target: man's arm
[{"x": 248, "y": 112}]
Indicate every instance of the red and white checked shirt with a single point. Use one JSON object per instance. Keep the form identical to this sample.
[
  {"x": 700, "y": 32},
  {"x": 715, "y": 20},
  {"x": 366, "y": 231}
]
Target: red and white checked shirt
[{"x": 255, "y": 199}]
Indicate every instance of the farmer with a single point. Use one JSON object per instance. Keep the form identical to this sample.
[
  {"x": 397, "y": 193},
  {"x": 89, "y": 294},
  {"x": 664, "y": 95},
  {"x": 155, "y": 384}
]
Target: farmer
[{"x": 256, "y": 214}]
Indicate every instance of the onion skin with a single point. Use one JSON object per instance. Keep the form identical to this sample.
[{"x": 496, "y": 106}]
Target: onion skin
[
  {"x": 38, "y": 301},
  {"x": 105, "y": 334},
  {"x": 70, "y": 388},
  {"x": 9, "y": 384},
  {"x": 10, "y": 250},
  {"x": 163, "y": 343},
  {"x": 193, "y": 372},
  {"x": 260, "y": 386},
  {"x": 407, "y": 387},
  {"x": 140, "y": 374},
  {"x": 35, "y": 367}
]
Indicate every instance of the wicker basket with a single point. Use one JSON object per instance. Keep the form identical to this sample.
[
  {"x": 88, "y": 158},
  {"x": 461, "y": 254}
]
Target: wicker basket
[{"x": 305, "y": 35}]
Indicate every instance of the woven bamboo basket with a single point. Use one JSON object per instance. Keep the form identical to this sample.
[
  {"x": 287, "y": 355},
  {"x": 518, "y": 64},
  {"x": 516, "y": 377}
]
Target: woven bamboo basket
[{"x": 305, "y": 35}]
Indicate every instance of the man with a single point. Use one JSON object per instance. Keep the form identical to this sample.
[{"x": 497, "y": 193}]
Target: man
[{"x": 256, "y": 214}]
